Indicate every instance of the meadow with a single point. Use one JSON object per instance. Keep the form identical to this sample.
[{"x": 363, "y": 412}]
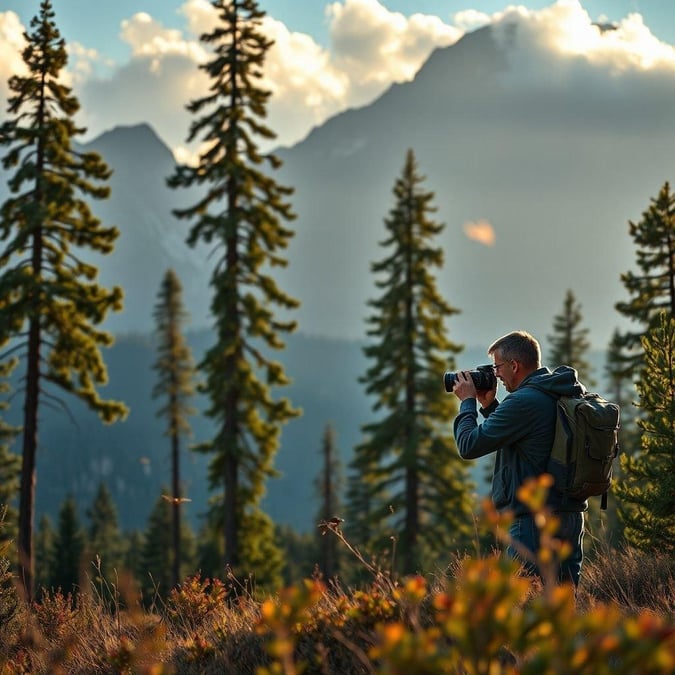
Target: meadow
[{"x": 479, "y": 615}]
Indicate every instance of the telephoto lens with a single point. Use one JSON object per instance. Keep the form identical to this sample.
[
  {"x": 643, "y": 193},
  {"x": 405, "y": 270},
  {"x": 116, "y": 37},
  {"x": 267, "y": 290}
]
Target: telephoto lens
[{"x": 483, "y": 378}]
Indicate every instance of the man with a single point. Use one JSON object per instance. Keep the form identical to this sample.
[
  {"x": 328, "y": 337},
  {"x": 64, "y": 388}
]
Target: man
[{"x": 520, "y": 430}]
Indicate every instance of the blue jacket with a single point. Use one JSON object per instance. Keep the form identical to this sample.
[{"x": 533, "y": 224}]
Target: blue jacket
[{"x": 520, "y": 430}]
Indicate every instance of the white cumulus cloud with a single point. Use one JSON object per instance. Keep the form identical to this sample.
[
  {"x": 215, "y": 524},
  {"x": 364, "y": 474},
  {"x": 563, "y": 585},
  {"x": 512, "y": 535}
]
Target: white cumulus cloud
[
  {"x": 370, "y": 47},
  {"x": 12, "y": 44}
]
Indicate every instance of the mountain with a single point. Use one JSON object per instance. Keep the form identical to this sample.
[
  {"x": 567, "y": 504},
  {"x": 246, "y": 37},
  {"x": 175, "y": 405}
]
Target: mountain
[
  {"x": 555, "y": 152},
  {"x": 151, "y": 239}
]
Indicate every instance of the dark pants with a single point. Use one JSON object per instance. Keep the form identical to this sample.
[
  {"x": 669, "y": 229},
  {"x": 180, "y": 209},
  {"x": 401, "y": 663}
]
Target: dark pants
[{"x": 525, "y": 531}]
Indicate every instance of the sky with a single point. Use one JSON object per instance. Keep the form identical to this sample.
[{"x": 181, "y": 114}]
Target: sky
[{"x": 133, "y": 61}]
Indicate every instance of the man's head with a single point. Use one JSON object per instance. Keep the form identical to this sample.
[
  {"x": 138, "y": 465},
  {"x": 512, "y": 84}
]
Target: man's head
[{"x": 515, "y": 356}]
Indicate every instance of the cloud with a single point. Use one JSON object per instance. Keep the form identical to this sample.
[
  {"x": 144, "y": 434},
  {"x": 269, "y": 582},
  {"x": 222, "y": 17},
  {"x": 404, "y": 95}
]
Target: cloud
[
  {"x": 471, "y": 19},
  {"x": 375, "y": 47},
  {"x": 565, "y": 28},
  {"x": 12, "y": 44},
  {"x": 370, "y": 48},
  {"x": 480, "y": 231}
]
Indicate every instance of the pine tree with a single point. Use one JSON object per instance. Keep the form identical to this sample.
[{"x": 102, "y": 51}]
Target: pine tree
[
  {"x": 105, "y": 545},
  {"x": 653, "y": 289},
  {"x": 622, "y": 391},
  {"x": 68, "y": 550},
  {"x": 328, "y": 486},
  {"x": 45, "y": 536},
  {"x": 418, "y": 484},
  {"x": 50, "y": 302},
  {"x": 300, "y": 554},
  {"x": 241, "y": 213},
  {"x": 647, "y": 490},
  {"x": 10, "y": 468},
  {"x": 569, "y": 342},
  {"x": 133, "y": 553},
  {"x": 175, "y": 369},
  {"x": 156, "y": 565}
]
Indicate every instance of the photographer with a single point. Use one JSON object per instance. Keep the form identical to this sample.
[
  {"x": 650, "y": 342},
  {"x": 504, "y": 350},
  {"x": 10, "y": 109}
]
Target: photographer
[{"x": 520, "y": 431}]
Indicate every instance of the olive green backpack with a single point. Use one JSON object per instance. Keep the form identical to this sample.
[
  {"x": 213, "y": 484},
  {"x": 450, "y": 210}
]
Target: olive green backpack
[{"x": 585, "y": 446}]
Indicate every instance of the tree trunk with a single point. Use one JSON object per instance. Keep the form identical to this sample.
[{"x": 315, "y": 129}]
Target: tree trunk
[
  {"x": 28, "y": 471},
  {"x": 176, "y": 503}
]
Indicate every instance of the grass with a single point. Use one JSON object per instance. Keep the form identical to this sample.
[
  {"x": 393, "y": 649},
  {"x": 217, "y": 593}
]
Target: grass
[{"x": 480, "y": 615}]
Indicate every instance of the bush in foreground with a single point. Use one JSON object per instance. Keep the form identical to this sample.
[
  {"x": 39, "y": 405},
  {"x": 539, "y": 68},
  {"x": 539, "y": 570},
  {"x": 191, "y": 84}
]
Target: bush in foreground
[{"x": 478, "y": 616}]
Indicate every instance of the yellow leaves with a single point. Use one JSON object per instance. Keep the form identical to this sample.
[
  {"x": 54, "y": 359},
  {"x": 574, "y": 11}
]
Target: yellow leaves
[
  {"x": 533, "y": 492},
  {"x": 413, "y": 590}
]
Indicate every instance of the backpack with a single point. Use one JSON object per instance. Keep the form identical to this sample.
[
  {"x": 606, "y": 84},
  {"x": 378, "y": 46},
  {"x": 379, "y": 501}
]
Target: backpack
[{"x": 585, "y": 446}]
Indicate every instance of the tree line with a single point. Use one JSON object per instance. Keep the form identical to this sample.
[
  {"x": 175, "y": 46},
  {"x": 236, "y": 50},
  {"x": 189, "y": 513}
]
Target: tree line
[{"x": 408, "y": 497}]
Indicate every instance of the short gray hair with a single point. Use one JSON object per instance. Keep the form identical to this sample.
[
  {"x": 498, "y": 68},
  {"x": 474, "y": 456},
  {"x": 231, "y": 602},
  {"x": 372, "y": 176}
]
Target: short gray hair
[{"x": 520, "y": 346}]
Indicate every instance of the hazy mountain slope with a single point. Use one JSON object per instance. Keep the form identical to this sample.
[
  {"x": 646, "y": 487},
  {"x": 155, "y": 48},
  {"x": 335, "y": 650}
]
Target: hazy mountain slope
[{"x": 556, "y": 153}]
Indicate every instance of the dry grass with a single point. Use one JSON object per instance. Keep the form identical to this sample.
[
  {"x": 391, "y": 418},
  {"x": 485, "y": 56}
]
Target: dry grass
[
  {"x": 390, "y": 627},
  {"x": 480, "y": 615}
]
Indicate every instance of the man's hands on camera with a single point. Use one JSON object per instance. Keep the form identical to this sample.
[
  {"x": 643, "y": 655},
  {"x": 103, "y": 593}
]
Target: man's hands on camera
[{"x": 465, "y": 388}]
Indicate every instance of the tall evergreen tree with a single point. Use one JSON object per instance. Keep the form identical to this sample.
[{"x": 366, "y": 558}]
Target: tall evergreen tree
[
  {"x": 10, "y": 468},
  {"x": 68, "y": 550},
  {"x": 175, "y": 369},
  {"x": 419, "y": 485},
  {"x": 622, "y": 391},
  {"x": 105, "y": 545},
  {"x": 45, "y": 536},
  {"x": 241, "y": 212},
  {"x": 569, "y": 342},
  {"x": 328, "y": 485},
  {"x": 50, "y": 302},
  {"x": 652, "y": 289},
  {"x": 647, "y": 488},
  {"x": 133, "y": 553},
  {"x": 156, "y": 567}
]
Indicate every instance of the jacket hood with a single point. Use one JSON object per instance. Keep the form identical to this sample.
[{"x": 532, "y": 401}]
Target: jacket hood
[{"x": 563, "y": 381}]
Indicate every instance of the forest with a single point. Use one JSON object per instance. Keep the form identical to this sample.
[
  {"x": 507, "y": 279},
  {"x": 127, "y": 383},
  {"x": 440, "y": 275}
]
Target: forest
[{"x": 404, "y": 570}]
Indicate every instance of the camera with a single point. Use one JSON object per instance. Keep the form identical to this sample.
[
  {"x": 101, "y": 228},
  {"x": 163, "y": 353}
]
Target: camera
[{"x": 483, "y": 378}]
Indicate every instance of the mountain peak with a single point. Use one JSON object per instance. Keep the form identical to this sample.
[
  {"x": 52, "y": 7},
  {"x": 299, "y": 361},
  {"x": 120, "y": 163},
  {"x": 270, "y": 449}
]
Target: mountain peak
[{"x": 137, "y": 140}]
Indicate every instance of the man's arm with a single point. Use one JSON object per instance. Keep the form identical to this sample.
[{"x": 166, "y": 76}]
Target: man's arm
[{"x": 505, "y": 423}]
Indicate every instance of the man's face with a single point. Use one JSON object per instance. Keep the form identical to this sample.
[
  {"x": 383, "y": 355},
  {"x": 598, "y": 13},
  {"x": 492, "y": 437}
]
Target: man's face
[{"x": 504, "y": 370}]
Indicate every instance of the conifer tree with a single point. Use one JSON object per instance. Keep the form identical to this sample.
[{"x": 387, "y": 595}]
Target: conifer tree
[
  {"x": 418, "y": 484},
  {"x": 647, "y": 488},
  {"x": 50, "y": 302},
  {"x": 328, "y": 486},
  {"x": 133, "y": 553},
  {"x": 175, "y": 369},
  {"x": 156, "y": 566},
  {"x": 652, "y": 289},
  {"x": 105, "y": 545},
  {"x": 299, "y": 552},
  {"x": 622, "y": 391},
  {"x": 569, "y": 342},
  {"x": 68, "y": 551},
  {"x": 10, "y": 468},
  {"x": 242, "y": 214},
  {"x": 45, "y": 536}
]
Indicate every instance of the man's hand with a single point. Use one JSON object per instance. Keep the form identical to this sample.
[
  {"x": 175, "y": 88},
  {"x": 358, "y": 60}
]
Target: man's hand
[{"x": 465, "y": 388}]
